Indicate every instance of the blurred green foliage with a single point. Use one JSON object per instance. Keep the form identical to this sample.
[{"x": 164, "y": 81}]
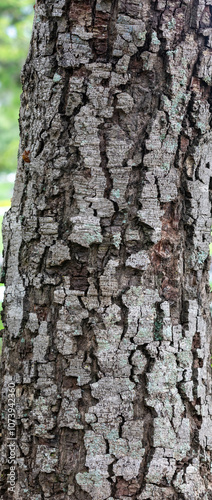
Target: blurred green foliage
[
  {"x": 16, "y": 18},
  {"x": 15, "y": 31}
]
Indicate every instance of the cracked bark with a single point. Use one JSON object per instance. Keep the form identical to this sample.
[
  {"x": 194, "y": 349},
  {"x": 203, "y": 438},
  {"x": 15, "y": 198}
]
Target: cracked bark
[{"x": 107, "y": 323}]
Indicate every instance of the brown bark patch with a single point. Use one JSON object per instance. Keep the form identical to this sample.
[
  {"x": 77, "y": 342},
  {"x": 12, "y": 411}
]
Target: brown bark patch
[
  {"x": 126, "y": 488},
  {"x": 165, "y": 253},
  {"x": 195, "y": 84},
  {"x": 184, "y": 143},
  {"x": 198, "y": 363},
  {"x": 100, "y": 32},
  {"x": 169, "y": 292},
  {"x": 79, "y": 277},
  {"x": 196, "y": 341},
  {"x": 42, "y": 312},
  {"x": 70, "y": 383},
  {"x": 72, "y": 451},
  {"x": 80, "y": 13},
  {"x": 199, "y": 87},
  {"x": 163, "y": 249}
]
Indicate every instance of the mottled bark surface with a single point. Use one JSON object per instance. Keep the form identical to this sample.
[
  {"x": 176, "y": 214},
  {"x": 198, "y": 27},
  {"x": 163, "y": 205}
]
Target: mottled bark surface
[{"x": 107, "y": 324}]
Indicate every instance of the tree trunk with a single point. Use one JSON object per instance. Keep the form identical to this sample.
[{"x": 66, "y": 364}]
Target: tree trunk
[{"x": 107, "y": 322}]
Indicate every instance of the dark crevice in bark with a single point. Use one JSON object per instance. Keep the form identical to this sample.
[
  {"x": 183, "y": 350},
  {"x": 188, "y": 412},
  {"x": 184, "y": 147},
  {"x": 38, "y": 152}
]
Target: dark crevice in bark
[
  {"x": 4, "y": 266},
  {"x": 158, "y": 188},
  {"x": 65, "y": 92},
  {"x": 131, "y": 377},
  {"x": 193, "y": 13},
  {"x": 39, "y": 148},
  {"x": 124, "y": 315},
  {"x": 148, "y": 419},
  {"x": 149, "y": 452},
  {"x": 93, "y": 6},
  {"x": 158, "y": 323},
  {"x": 88, "y": 339},
  {"x": 104, "y": 161},
  {"x": 111, "y": 29},
  {"x": 67, "y": 10}
]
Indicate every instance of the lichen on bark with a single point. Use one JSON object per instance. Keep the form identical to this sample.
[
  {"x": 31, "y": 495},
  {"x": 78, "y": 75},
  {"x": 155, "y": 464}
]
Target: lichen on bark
[{"x": 106, "y": 313}]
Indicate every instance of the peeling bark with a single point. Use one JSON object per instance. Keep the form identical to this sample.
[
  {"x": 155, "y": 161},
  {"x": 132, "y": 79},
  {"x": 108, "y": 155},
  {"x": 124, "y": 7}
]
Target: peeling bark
[{"x": 107, "y": 322}]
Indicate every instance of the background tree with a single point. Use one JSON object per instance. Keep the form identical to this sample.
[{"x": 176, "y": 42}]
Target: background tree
[
  {"x": 107, "y": 324},
  {"x": 15, "y": 32}
]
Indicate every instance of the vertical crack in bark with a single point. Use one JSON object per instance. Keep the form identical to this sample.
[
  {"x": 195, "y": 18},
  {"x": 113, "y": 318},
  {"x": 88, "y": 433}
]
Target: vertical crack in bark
[
  {"x": 148, "y": 425},
  {"x": 111, "y": 29},
  {"x": 93, "y": 6},
  {"x": 104, "y": 162}
]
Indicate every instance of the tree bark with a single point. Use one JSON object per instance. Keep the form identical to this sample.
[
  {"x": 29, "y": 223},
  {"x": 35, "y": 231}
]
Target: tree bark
[{"x": 107, "y": 322}]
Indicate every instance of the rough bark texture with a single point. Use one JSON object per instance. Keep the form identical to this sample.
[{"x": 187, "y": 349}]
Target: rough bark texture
[{"x": 107, "y": 324}]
